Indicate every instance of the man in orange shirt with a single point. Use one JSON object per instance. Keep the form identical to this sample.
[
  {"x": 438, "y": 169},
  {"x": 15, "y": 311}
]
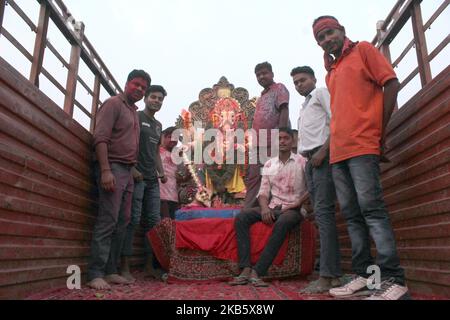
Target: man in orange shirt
[{"x": 363, "y": 89}]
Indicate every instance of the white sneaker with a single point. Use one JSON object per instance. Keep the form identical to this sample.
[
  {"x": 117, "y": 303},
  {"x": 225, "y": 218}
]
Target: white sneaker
[
  {"x": 349, "y": 289},
  {"x": 390, "y": 291}
]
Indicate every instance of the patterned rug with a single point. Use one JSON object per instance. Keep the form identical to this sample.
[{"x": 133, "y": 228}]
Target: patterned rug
[
  {"x": 200, "y": 265},
  {"x": 150, "y": 289}
]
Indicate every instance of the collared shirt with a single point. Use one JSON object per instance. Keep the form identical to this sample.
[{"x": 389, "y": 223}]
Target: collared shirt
[
  {"x": 314, "y": 120},
  {"x": 267, "y": 113},
  {"x": 117, "y": 125},
  {"x": 283, "y": 183},
  {"x": 168, "y": 190},
  {"x": 356, "y": 82}
]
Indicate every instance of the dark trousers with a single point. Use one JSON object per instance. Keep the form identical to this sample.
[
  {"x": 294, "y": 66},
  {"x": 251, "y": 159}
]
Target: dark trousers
[
  {"x": 321, "y": 189},
  {"x": 168, "y": 209},
  {"x": 252, "y": 184},
  {"x": 245, "y": 219},
  {"x": 360, "y": 196},
  {"x": 113, "y": 216}
]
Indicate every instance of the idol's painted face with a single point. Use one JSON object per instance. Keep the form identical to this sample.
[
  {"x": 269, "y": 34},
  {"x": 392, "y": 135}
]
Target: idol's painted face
[
  {"x": 331, "y": 41},
  {"x": 135, "y": 89}
]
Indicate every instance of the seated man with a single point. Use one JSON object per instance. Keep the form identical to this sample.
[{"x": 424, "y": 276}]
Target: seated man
[{"x": 283, "y": 182}]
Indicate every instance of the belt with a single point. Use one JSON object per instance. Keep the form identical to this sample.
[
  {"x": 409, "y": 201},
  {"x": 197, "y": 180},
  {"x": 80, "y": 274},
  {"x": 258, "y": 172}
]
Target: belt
[{"x": 309, "y": 154}]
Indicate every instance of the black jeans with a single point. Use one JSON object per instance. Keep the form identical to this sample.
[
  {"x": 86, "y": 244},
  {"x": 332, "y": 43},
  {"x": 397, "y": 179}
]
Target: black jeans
[
  {"x": 360, "y": 195},
  {"x": 245, "y": 219},
  {"x": 321, "y": 189}
]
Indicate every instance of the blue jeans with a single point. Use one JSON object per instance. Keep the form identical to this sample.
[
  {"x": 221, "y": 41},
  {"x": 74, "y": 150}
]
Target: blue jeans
[
  {"x": 146, "y": 202},
  {"x": 360, "y": 195},
  {"x": 111, "y": 222},
  {"x": 321, "y": 188}
]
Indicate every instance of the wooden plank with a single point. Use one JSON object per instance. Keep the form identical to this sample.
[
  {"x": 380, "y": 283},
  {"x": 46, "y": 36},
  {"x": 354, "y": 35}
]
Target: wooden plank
[
  {"x": 402, "y": 173},
  {"x": 409, "y": 191},
  {"x": 424, "y": 231},
  {"x": 8, "y": 252},
  {"x": 22, "y": 193},
  {"x": 427, "y": 121},
  {"x": 39, "y": 44},
  {"x": 43, "y": 231},
  {"x": 439, "y": 48},
  {"x": 421, "y": 44},
  {"x": 22, "y": 14},
  {"x": 26, "y": 161},
  {"x": 11, "y": 209},
  {"x": 39, "y": 187},
  {"x": 18, "y": 276},
  {"x": 22, "y": 291},
  {"x": 72, "y": 75},
  {"x": 30, "y": 241},
  {"x": 398, "y": 24},
  {"x": 97, "y": 65},
  {"x": 17, "y": 44},
  {"x": 411, "y": 253},
  {"x": 429, "y": 276},
  {"x": 427, "y": 25},
  {"x": 439, "y": 86},
  {"x": 2, "y": 13},
  {"x": 394, "y": 13},
  {"x": 22, "y": 86},
  {"x": 434, "y": 180},
  {"x": 42, "y": 144},
  {"x": 25, "y": 206},
  {"x": 421, "y": 220},
  {"x": 423, "y": 209},
  {"x": 22, "y": 111},
  {"x": 95, "y": 103},
  {"x": 412, "y": 148}
]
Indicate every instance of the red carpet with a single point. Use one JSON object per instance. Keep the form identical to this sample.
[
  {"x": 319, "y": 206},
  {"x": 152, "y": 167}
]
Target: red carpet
[{"x": 145, "y": 289}]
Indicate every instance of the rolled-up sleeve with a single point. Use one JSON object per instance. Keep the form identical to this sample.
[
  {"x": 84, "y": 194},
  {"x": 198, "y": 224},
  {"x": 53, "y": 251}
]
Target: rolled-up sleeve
[
  {"x": 324, "y": 98},
  {"x": 105, "y": 122},
  {"x": 282, "y": 96}
]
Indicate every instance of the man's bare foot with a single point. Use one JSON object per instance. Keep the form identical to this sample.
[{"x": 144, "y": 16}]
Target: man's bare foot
[
  {"x": 98, "y": 284},
  {"x": 127, "y": 275},
  {"x": 116, "y": 279}
]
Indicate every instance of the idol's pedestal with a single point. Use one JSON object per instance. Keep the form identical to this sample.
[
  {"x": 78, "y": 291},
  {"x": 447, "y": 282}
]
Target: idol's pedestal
[{"x": 200, "y": 244}]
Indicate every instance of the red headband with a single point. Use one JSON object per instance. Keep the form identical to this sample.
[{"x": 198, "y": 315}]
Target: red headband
[{"x": 326, "y": 23}]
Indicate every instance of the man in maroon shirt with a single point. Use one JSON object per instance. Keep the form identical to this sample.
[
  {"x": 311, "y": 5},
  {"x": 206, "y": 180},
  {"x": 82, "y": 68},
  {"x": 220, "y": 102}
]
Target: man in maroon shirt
[
  {"x": 116, "y": 142},
  {"x": 272, "y": 112}
]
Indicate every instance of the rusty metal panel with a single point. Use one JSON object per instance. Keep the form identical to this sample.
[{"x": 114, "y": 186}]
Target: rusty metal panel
[
  {"x": 47, "y": 193},
  {"x": 417, "y": 188}
]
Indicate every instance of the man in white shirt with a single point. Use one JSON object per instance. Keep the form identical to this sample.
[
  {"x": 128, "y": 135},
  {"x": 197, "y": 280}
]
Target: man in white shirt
[
  {"x": 314, "y": 142},
  {"x": 281, "y": 194}
]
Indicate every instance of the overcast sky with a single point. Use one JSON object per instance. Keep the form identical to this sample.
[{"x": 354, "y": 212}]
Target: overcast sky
[{"x": 187, "y": 45}]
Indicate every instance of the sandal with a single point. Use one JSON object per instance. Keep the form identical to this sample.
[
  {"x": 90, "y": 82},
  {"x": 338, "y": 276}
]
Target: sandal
[
  {"x": 239, "y": 281},
  {"x": 257, "y": 282}
]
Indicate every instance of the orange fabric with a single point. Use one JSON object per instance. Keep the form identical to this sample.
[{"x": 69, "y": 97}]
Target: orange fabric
[{"x": 356, "y": 83}]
